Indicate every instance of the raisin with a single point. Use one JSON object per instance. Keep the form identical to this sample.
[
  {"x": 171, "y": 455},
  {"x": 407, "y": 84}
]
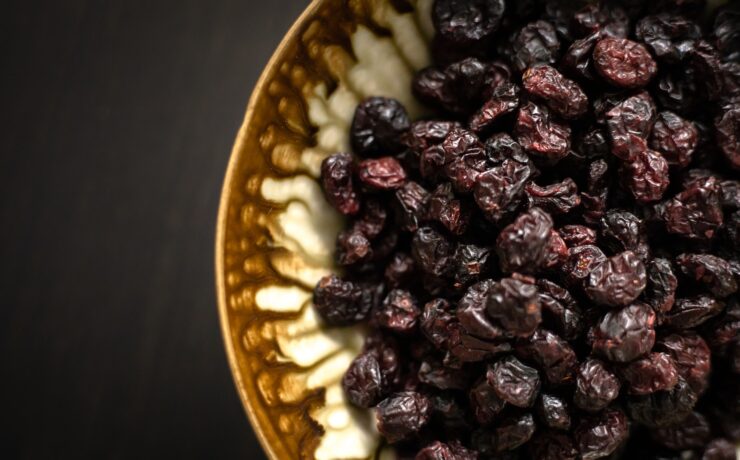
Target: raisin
[
  {"x": 456, "y": 88},
  {"x": 515, "y": 305},
  {"x": 668, "y": 36},
  {"x": 377, "y": 126},
  {"x": 499, "y": 191},
  {"x": 352, "y": 247},
  {"x": 696, "y": 212},
  {"x": 337, "y": 183},
  {"x": 646, "y": 177},
  {"x": 554, "y": 356},
  {"x": 551, "y": 445},
  {"x": 521, "y": 246},
  {"x": 513, "y": 432},
  {"x": 581, "y": 261},
  {"x": 617, "y": 281},
  {"x": 629, "y": 124},
  {"x": 398, "y": 312},
  {"x": 448, "y": 210},
  {"x": 704, "y": 60},
  {"x": 654, "y": 372},
  {"x": 340, "y": 302},
  {"x": 727, "y": 33},
  {"x": 660, "y": 292},
  {"x": 426, "y": 133},
  {"x": 593, "y": 144},
  {"x": 557, "y": 198},
  {"x": 691, "y": 433},
  {"x": 434, "y": 373},
  {"x": 608, "y": 18},
  {"x": 599, "y": 435},
  {"x": 467, "y": 22},
  {"x": 402, "y": 415},
  {"x": 485, "y": 403},
  {"x": 561, "y": 95},
  {"x": 625, "y": 334},
  {"x": 623, "y": 231},
  {"x": 577, "y": 235},
  {"x": 624, "y": 63},
  {"x": 553, "y": 412},
  {"x": 464, "y": 159},
  {"x": 596, "y": 387},
  {"x": 691, "y": 312},
  {"x": 675, "y": 138},
  {"x": 663, "y": 408},
  {"x": 471, "y": 312},
  {"x": 382, "y": 173},
  {"x": 540, "y": 134},
  {"x": 441, "y": 451},
  {"x": 371, "y": 376},
  {"x": 513, "y": 381},
  {"x": 537, "y": 42},
  {"x": 399, "y": 270},
  {"x": 728, "y": 133},
  {"x": 692, "y": 357},
  {"x": 560, "y": 310},
  {"x": 432, "y": 252},
  {"x": 470, "y": 262},
  {"x": 715, "y": 273},
  {"x": 504, "y": 100}
]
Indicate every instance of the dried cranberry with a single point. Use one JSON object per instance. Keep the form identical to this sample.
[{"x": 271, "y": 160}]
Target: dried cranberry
[
  {"x": 654, "y": 372},
  {"x": 562, "y": 96},
  {"x": 623, "y": 231},
  {"x": 554, "y": 356},
  {"x": 581, "y": 261},
  {"x": 352, "y": 247},
  {"x": 558, "y": 198},
  {"x": 521, "y": 246},
  {"x": 617, "y": 281},
  {"x": 377, "y": 127},
  {"x": 675, "y": 138},
  {"x": 336, "y": 181},
  {"x": 540, "y": 134},
  {"x": 399, "y": 270},
  {"x": 624, "y": 63},
  {"x": 596, "y": 387},
  {"x": 470, "y": 262},
  {"x": 727, "y": 32},
  {"x": 629, "y": 124},
  {"x": 382, "y": 173},
  {"x": 646, "y": 177},
  {"x": 499, "y": 191},
  {"x": 715, "y": 273},
  {"x": 435, "y": 321},
  {"x": 471, "y": 312},
  {"x": 433, "y": 373},
  {"x": 577, "y": 235},
  {"x": 513, "y": 432},
  {"x": 503, "y": 100},
  {"x": 696, "y": 212}
]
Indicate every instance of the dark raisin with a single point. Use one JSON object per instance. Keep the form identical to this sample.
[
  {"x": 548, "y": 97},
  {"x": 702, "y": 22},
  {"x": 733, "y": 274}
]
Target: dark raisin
[
  {"x": 691, "y": 312},
  {"x": 715, "y": 273},
  {"x": 625, "y": 334},
  {"x": 629, "y": 124},
  {"x": 372, "y": 375},
  {"x": 515, "y": 305},
  {"x": 398, "y": 312},
  {"x": 514, "y": 382},
  {"x": 581, "y": 261},
  {"x": 617, "y": 281},
  {"x": 696, "y": 212},
  {"x": 504, "y": 100},
  {"x": 668, "y": 36},
  {"x": 704, "y": 60},
  {"x": 691, "y": 433},
  {"x": 577, "y": 235},
  {"x": 560, "y": 310},
  {"x": 432, "y": 252},
  {"x": 558, "y": 198},
  {"x": 595, "y": 17},
  {"x": 377, "y": 127},
  {"x": 556, "y": 251},
  {"x": 435, "y": 321},
  {"x": 562, "y": 96},
  {"x": 441, "y": 451},
  {"x": 540, "y": 134},
  {"x": 623, "y": 231},
  {"x": 577, "y": 61},
  {"x": 485, "y": 403},
  {"x": 382, "y": 173},
  {"x": 553, "y": 412},
  {"x": 432, "y": 372},
  {"x": 663, "y": 408},
  {"x": 553, "y": 355},
  {"x": 471, "y": 312},
  {"x": 646, "y": 177},
  {"x": 400, "y": 270},
  {"x": 599, "y": 435},
  {"x": 336, "y": 181},
  {"x": 692, "y": 357},
  {"x": 521, "y": 246},
  {"x": 352, "y": 247},
  {"x": 465, "y": 22},
  {"x": 624, "y": 63},
  {"x": 720, "y": 449},
  {"x": 596, "y": 387},
  {"x": 340, "y": 303},
  {"x": 654, "y": 372},
  {"x": 402, "y": 415},
  {"x": 675, "y": 138},
  {"x": 728, "y": 133},
  {"x": 660, "y": 292},
  {"x": 426, "y": 133},
  {"x": 411, "y": 199},
  {"x": 513, "y": 432},
  {"x": 727, "y": 32},
  {"x": 448, "y": 210},
  {"x": 464, "y": 159},
  {"x": 499, "y": 191},
  {"x": 470, "y": 262},
  {"x": 537, "y": 42},
  {"x": 552, "y": 445}
]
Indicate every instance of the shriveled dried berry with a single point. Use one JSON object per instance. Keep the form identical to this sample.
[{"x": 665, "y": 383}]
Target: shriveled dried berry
[
  {"x": 629, "y": 124},
  {"x": 540, "y": 134},
  {"x": 605, "y": 17},
  {"x": 521, "y": 246},
  {"x": 382, "y": 173},
  {"x": 372, "y": 375},
  {"x": 623, "y": 231},
  {"x": 504, "y": 100},
  {"x": 535, "y": 43},
  {"x": 514, "y": 382},
  {"x": 340, "y": 303},
  {"x": 471, "y": 312},
  {"x": 646, "y": 177},
  {"x": 624, "y": 63},
  {"x": 371, "y": 220},
  {"x": 426, "y": 133},
  {"x": 485, "y": 403},
  {"x": 433, "y": 373},
  {"x": 692, "y": 357},
  {"x": 561, "y": 95},
  {"x": 728, "y": 133},
  {"x": 377, "y": 127},
  {"x": 720, "y": 449},
  {"x": 727, "y": 32},
  {"x": 668, "y": 36},
  {"x": 691, "y": 312},
  {"x": 577, "y": 235},
  {"x": 696, "y": 212},
  {"x": 617, "y": 281},
  {"x": 402, "y": 415},
  {"x": 470, "y": 262},
  {"x": 398, "y": 312},
  {"x": 514, "y": 304},
  {"x": 448, "y": 210},
  {"x": 337, "y": 183},
  {"x": 596, "y": 387},
  {"x": 513, "y": 432},
  {"x": 352, "y": 247},
  {"x": 660, "y": 292},
  {"x": 411, "y": 200},
  {"x": 691, "y": 433},
  {"x": 675, "y": 138},
  {"x": 625, "y": 334},
  {"x": 560, "y": 310},
  {"x": 558, "y": 198},
  {"x": 399, "y": 270},
  {"x": 654, "y": 372},
  {"x": 499, "y": 191},
  {"x": 599, "y": 435},
  {"x": 435, "y": 321},
  {"x": 713, "y": 272},
  {"x": 577, "y": 61},
  {"x": 554, "y": 356},
  {"x": 441, "y": 451},
  {"x": 432, "y": 252},
  {"x": 553, "y": 412},
  {"x": 552, "y": 445},
  {"x": 663, "y": 408},
  {"x": 465, "y": 23},
  {"x": 581, "y": 261}
]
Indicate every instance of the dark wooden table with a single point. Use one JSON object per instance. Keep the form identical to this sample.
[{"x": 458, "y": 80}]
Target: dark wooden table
[{"x": 116, "y": 123}]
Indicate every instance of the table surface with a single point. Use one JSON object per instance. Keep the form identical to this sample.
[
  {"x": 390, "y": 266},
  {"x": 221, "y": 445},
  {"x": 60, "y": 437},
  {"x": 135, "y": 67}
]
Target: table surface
[{"x": 116, "y": 123}]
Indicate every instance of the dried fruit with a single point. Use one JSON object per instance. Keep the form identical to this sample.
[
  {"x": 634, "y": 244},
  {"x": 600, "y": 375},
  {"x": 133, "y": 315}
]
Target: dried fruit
[
  {"x": 561, "y": 95},
  {"x": 596, "y": 387},
  {"x": 398, "y": 312},
  {"x": 540, "y": 134},
  {"x": 337, "y": 183},
  {"x": 402, "y": 415},
  {"x": 377, "y": 127},
  {"x": 599, "y": 435},
  {"x": 522, "y": 245},
  {"x": 513, "y": 381},
  {"x": 553, "y": 412},
  {"x": 382, "y": 173},
  {"x": 625, "y": 334},
  {"x": 654, "y": 372}
]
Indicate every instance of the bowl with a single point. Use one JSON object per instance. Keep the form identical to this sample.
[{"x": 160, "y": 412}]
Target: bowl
[{"x": 276, "y": 233}]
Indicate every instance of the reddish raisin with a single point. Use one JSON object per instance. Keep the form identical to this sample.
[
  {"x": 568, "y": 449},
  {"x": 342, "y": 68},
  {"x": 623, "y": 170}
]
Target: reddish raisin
[
  {"x": 561, "y": 95},
  {"x": 624, "y": 63}
]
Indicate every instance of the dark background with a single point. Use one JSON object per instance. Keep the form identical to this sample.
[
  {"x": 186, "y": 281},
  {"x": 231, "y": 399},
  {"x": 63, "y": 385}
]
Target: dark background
[{"x": 116, "y": 123}]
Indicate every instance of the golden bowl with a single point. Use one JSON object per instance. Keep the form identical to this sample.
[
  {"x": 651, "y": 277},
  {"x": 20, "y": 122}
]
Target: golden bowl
[{"x": 275, "y": 235}]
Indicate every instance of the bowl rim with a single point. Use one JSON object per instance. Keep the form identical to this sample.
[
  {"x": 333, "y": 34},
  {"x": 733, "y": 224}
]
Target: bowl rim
[{"x": 268, "y": 73}]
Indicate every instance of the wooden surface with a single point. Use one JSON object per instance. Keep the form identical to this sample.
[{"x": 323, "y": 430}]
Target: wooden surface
[{"x": 116, "y": 122}]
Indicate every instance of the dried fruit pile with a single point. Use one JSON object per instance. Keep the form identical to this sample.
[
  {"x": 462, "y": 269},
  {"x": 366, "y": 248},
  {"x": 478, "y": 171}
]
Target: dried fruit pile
[{"x": 549, "y": 267}]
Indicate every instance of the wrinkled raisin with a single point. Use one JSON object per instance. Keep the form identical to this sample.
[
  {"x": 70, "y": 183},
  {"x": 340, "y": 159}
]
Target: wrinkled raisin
[
  {"x": 596, "y": 387},
  {"x": 513, "y": 381},
  {"x": 625, "y": 334},
  {"x": 377, "y": 127},
  {"x": 540, "y": 134},
  {"x": 624, "y": 63},
  {"x": 402, "y": 415}
]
